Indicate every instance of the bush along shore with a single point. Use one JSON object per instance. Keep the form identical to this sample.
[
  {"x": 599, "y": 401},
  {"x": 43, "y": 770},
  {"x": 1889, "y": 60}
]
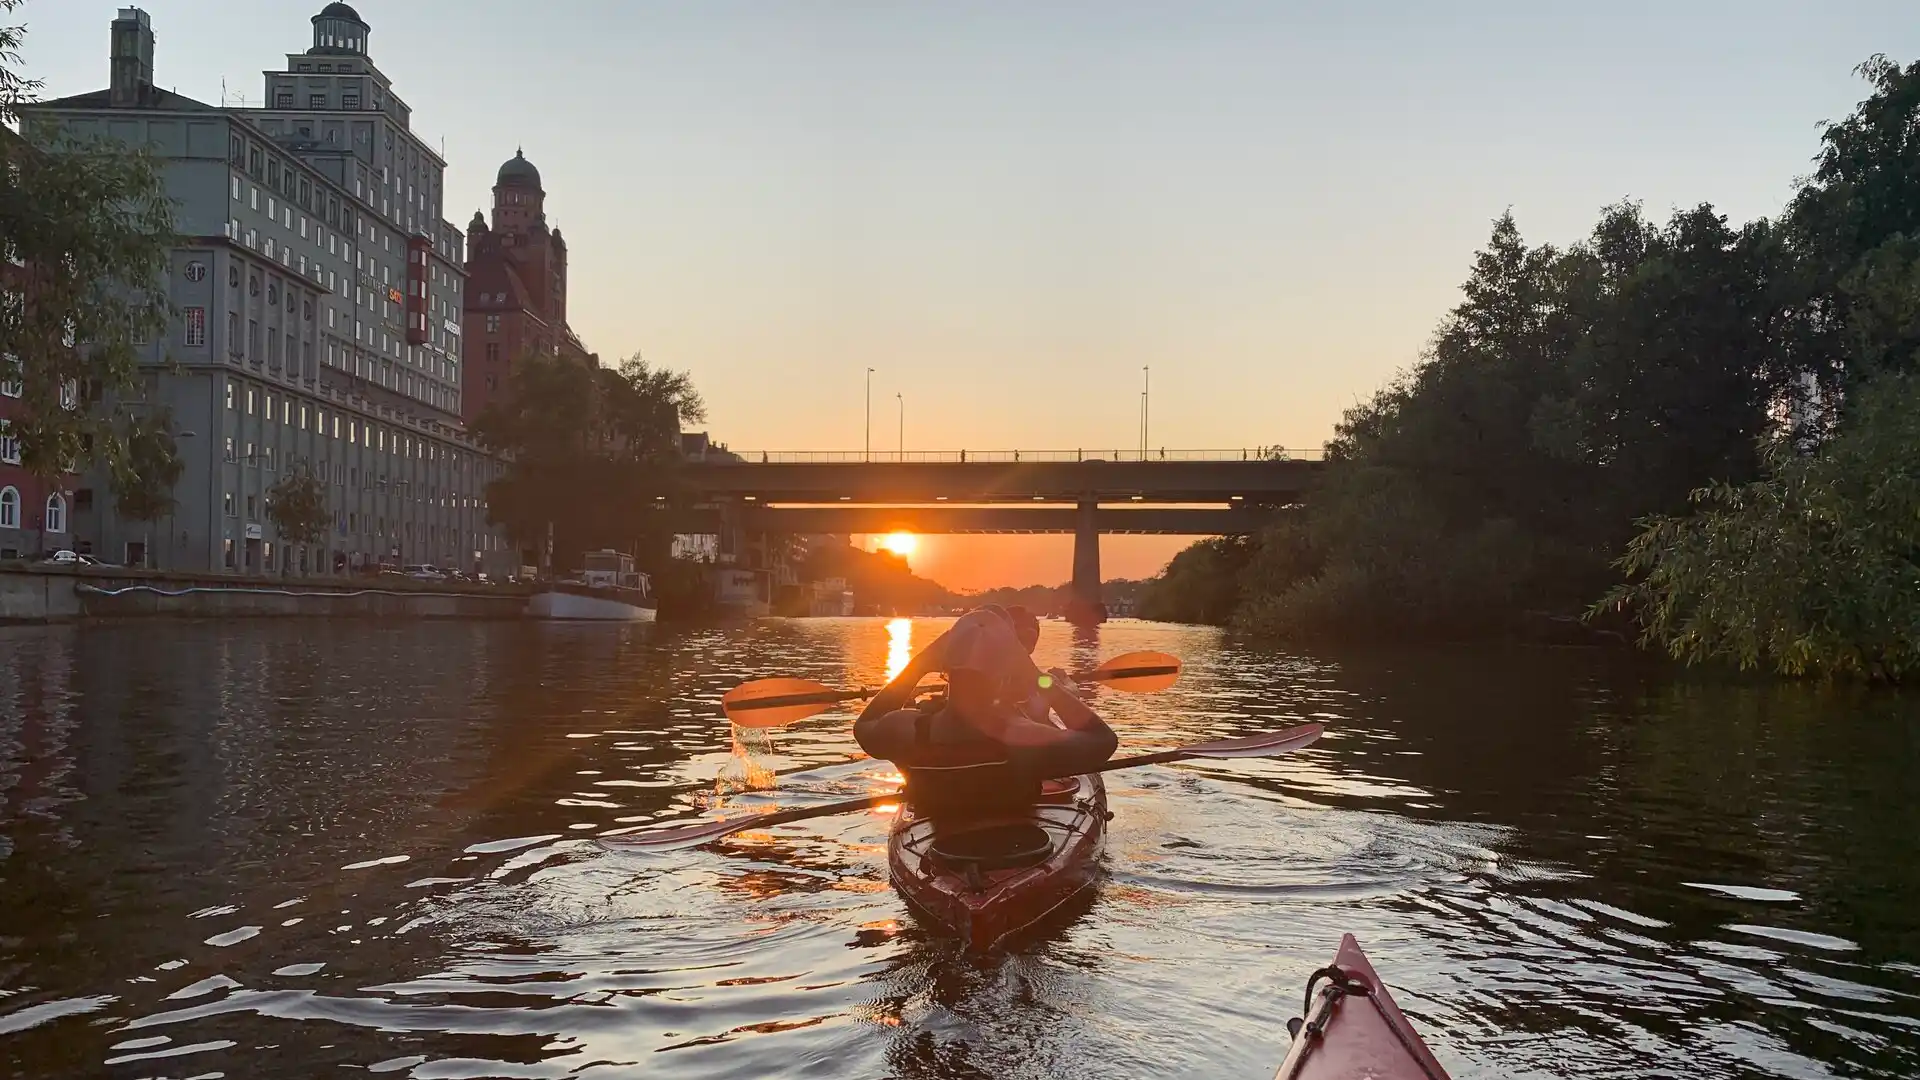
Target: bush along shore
[{"x": 1698, "y": 437}]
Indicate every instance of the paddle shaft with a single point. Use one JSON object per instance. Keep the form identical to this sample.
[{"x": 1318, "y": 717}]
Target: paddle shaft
[
  {"x": 762, "y": 821},
  {"x": 834, "y": 697}
]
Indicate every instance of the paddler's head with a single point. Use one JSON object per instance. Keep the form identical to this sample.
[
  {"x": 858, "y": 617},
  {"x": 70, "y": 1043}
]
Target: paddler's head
[
  {"x": 1026, "y": 627},
  {"x": 987, "y": 668}
]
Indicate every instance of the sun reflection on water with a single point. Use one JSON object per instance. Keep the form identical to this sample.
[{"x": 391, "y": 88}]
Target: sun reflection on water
[{"x": 899, "y": 646}]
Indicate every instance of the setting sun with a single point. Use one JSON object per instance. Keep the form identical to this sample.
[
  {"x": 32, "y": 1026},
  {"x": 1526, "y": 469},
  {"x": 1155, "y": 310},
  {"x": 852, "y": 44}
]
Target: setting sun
[{"x": 900, "y": 543}]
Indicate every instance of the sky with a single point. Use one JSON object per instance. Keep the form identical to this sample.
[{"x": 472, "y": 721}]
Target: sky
[{"x": 1009, "y": 209}]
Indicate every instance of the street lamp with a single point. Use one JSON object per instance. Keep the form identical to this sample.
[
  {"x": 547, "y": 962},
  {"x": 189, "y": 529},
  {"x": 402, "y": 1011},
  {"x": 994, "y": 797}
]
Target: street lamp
[
  {"x": 172, "y": 505},
  {"x": 903, "y": 425},
  {"x": 1146, "y": 392},
  {"x": 868, "y": 455}
]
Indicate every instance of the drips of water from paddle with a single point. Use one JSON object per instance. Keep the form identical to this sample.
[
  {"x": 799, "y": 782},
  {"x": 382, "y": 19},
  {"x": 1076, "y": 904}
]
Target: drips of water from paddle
[{"x": 283, "y": 848}]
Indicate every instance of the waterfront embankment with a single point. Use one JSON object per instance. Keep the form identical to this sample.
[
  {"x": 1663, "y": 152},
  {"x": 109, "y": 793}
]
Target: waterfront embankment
[{"x": 46, "y": 594}]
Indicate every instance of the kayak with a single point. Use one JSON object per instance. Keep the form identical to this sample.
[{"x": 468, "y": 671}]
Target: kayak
[
  {"x": 1353, "y": 1030},
  {"x": 1002, "y": 874}
]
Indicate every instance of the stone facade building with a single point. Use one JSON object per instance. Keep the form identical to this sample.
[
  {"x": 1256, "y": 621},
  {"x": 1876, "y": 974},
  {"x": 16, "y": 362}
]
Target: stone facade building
[
  {"x": 317, "y": 298},
  {"x": 517, "y": 286},
  {"x": 35, "y": 515}
]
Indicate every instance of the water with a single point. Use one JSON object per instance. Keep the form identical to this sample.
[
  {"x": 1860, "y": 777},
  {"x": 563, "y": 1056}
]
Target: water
[{"x": 278, "y": 848}]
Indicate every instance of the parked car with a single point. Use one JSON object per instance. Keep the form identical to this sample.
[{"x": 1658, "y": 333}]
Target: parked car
[{"x": 65, "y": 557}]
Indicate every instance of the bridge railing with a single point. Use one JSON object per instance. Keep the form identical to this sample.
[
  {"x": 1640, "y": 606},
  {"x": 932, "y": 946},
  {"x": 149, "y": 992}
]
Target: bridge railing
[{"x": 1249, "y": 453}]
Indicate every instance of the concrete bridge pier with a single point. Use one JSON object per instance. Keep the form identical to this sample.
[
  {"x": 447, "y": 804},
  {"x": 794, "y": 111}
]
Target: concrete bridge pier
[{"x": 1084, "y": 605}]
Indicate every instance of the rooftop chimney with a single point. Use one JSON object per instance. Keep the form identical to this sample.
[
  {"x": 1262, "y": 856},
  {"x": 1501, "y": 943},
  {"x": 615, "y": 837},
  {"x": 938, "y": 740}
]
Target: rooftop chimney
[{"x": 132, "y": 75}]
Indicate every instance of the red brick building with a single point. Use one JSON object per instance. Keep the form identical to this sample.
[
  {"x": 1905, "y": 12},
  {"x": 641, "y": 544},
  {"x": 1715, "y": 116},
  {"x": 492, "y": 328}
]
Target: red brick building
[
  {"x": 36, "y": 517},
  {"x": 516, "y": 302}
]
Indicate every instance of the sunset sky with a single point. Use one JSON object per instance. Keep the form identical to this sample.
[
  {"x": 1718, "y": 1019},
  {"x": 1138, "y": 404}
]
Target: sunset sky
[{"x": 1008, "y": 209}]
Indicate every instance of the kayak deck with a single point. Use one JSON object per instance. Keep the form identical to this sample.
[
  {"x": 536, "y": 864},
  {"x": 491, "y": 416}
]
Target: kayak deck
[
  {"x": 985, "y": 905},
  {"x": 1353, "y": 1030}
]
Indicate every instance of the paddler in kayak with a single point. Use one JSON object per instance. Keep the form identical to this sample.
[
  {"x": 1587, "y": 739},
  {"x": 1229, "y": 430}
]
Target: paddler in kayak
[{"x": 982, "y": 750}]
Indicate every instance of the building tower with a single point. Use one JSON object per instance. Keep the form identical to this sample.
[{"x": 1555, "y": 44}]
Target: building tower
[
  {"x": 517, "y": 303},
  {"x": 339, "y": 29}
]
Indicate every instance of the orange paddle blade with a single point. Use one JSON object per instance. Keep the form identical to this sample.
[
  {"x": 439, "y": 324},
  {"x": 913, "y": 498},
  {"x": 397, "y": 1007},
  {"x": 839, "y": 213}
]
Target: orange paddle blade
[
  {"x": 1136, "y": 672},
  {"x": 775, "y": 702}
]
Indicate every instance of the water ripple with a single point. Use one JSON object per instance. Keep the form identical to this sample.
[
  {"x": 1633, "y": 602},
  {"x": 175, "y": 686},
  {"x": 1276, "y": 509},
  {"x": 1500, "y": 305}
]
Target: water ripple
[{"x": 1564, "y": 865}]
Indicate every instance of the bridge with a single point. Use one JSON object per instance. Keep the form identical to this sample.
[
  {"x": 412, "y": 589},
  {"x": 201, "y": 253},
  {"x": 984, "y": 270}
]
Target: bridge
[{"x": 1185, "y": 492}]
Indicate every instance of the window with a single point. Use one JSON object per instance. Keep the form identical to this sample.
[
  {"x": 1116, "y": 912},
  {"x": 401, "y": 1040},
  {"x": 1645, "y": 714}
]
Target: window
[
  {"x": 226, "y": 501},
  {"x": 195, "y": 319},
  {"x": 349, "y": 101},
  {"x": 9, "y": 508},
  {"x": 236, "y": 188},
  {"x": 56, "y": 514},
  {"x": 227, "y": 548},
  {"x": 9, "y": 446},
  {"x": 234, "y": 343},
  {"x": 10, "y": 387},
  {"x": 229, "y": 396},
  {"x": 253, "y": 507},
  {"x": 283, "y": 100},
  {"x": 316, "y": 101},
  {"x": 493, "y": 324},
  {"x": 228, "y": 452}
]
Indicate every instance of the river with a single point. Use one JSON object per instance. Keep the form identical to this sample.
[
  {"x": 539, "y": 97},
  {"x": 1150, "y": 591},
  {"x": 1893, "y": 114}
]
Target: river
[{"x": 275, "y": 848}]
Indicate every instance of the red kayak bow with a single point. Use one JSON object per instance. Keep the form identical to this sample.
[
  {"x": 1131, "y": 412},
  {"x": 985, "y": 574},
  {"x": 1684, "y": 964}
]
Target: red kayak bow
[{"x": 1353, "y": 1030}]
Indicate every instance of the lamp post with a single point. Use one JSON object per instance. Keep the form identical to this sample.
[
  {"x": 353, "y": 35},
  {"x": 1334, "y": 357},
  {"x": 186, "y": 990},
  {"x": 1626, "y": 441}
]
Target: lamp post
[
  {"x": 868, "y": 455},
  {"x": 901, "y": 398},
  {"x": 172, "y": 505},
  {"x": 1146, "y": 393}
]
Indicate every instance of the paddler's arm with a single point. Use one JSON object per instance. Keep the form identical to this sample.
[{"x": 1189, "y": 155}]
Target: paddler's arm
[
  {"x": 1064, "y": 698},
  {"x": 872, "y": 730},
  {"x": 1045, "y": 750}
]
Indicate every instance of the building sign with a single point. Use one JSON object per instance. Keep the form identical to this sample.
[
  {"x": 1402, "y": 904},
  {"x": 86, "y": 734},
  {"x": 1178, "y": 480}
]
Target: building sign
[{"x": 253, "y": 532}]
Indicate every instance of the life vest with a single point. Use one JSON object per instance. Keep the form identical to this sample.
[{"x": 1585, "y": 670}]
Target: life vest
[{"x": 964, "y": 778}]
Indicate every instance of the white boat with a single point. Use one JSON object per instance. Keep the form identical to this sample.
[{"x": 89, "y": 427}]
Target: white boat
[{"x": 607, "y": 590}]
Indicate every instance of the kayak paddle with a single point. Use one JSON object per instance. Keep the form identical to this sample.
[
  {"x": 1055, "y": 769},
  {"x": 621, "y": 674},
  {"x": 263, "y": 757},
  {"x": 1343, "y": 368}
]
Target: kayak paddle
[
  {"x": 1266, "y": 744},
  {"x": 778, "y": 702}
]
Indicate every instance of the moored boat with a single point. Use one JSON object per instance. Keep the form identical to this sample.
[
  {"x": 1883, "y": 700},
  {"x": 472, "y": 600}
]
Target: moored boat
[
  {"x": 1353, "y": 1030},
  {"x": 1001, "y": 875},
  {"x": 609, "y": 589}
]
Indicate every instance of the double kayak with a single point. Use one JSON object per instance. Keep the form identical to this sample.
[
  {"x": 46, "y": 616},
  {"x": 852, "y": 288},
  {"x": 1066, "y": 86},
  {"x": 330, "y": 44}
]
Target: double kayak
[
  {"x": 1352, "y": 1029},
  {"x": 1000, "y": 875}
]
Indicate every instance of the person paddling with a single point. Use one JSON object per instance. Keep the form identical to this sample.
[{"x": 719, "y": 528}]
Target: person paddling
[{"x": 981, "y": 751}]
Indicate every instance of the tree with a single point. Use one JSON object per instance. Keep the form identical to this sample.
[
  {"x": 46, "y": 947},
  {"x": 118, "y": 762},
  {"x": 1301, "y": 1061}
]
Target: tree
[
  {"x": 594, "y": 454},
  {"x": 93, "y": 227},
  {"x": 143, "y": 479},
  {"x": 1200, "y": 584},
  {"x": 1814, "y": 570},
  {"x": 297, "y": 506}
]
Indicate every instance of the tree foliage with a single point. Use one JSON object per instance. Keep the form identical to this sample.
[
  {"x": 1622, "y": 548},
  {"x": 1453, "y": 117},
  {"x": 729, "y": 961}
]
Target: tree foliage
[
  {"x": 297, "y": 505},
  {"x": 92, "y": 224},
  {"x": 1813, "y": 570},
  {"x": 593, "y": 455},
  {"x": 1576, "y": 397},
  {"x": 1200, "y": 584},
  {"x": 144, "y": 477}
]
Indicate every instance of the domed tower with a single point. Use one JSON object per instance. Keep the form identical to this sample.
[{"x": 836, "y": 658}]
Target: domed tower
[
  {"x": 340, "y": 29},
  {"x": 519, "y": 202},
  {"x": 520, "y": 223}
]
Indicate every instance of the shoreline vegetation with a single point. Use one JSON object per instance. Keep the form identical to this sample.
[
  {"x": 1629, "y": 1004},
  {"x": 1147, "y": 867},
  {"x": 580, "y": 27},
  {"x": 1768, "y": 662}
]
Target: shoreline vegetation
[{"x": 1700, "y": 438}]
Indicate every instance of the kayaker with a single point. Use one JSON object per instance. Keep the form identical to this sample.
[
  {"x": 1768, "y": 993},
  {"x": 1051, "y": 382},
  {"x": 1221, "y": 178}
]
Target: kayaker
[{"x": 980, "y": 751}]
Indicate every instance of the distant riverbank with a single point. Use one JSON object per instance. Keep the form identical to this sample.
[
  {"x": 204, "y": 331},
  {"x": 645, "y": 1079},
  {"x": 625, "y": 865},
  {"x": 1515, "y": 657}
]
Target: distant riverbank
[{"x": 47, "y": 594}]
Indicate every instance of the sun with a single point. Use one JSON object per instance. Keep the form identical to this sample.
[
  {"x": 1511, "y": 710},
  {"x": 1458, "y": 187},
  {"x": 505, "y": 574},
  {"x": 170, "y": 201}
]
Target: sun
[{"x": 900, "y": 543}]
